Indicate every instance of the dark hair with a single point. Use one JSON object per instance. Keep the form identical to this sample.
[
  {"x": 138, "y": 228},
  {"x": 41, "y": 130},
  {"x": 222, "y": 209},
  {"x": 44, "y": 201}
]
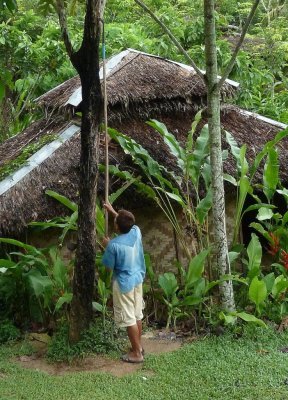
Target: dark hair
[{"x": 125, "y": 220}]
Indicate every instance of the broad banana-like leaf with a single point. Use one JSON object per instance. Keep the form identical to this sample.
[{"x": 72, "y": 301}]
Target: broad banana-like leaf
[
  {"x": 168, "y": 283},
  {"x": 251, "y": 318},
  {"x": 203, "y": 207},
  {"x": 63, "y": 200},
  {"x": 195, "y": 269},
  {"x": 194, "y": 124},
  {"x": 174, "y": 146},
  {"x": 266, "y": 148},
  {"x": 254, "y": 251},
  {"x": 25, "y": 246},
  {"x": 196, "y": 159},
  {"x": 258, "y": 292},
  {"x": 258, "y": 227},
  {"x": 65, "y": 299},
  {"x": 271, "y": 173},
  {"x": 269, "y": 282}
]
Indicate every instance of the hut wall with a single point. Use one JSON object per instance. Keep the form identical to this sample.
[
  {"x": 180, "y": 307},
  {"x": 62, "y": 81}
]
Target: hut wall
[
  {"x": 230, "y": 208},
  {"x": 50, "y": 237},
  {"x": 159, "y": 240}
]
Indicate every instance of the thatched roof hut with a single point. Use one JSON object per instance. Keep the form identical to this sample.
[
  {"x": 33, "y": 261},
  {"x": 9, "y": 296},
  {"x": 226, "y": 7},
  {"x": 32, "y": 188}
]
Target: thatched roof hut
[{"x": 140, "y": 87}]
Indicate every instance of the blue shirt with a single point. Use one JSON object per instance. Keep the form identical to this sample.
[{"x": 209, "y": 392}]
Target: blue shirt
[{"x": 124, "y": 254}]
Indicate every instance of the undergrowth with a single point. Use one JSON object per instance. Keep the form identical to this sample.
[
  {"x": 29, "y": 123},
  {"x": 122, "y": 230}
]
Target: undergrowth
[{"x": 96, "y": 339}]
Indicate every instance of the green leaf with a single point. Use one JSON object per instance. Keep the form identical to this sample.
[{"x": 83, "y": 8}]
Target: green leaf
[
  {"x": 6, "y": 263},
  {"x": 258, "y": 227},
  {"x": 59, "y": 268},
  {"x": 168, "y": 283},
  {"x": 194, "y": 125},
  {"x": 233, "y": 255},
  {"x": 114, "y": 196},
  {"x": 227, "y": 318},
  {"x": 65, "y": 299},
  {"x": 25, "y": 246},
  {"x": 195, "y": 269},
  {"x": 70, "y": 225},
  {"x": 280, "y": 286},
  {"x": 269, "y": 282},
  {"x": 235, "y": 149},
  {"x": 100, "y": 220},
  {"x": 271, "y": 173},
  {"x": 254, "y": 251},
  {"x": 265, "y": 150},
  {"x": 257, "y": 292},
  {"x": 203, "y": 207},
  {"x": 196, "y": 159},
  {"x": 172, "y": 143},
  {"x": 172, "y": 196},
  {"x": 63, "y": 200},
  {"x": 191, "y": 301},
  {"x": 257, "y": 206},
  {"x": 40, "y": 285},
  {"x": 149, "y": 268},
  {"x": 230, "y": 178},
  {"x": 97, "y": 306},
  {"x": 251, "y": 318},
  {"x": 264, "y": 213},
  {"x": 284, "y": 193}
]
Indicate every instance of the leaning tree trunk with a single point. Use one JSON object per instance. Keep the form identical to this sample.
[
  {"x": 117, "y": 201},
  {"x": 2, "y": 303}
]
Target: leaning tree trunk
[
  {"x": 86, "y": 62},
  {"x": 213, "y": 106}
]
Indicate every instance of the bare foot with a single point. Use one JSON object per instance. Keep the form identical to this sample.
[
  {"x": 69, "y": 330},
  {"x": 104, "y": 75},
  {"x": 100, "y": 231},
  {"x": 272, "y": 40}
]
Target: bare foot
[{"x": 133, "y": 358}]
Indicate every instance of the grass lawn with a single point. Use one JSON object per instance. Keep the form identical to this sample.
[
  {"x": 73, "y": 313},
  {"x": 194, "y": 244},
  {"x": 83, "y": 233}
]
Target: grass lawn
[{"x": 226, "y": 368}]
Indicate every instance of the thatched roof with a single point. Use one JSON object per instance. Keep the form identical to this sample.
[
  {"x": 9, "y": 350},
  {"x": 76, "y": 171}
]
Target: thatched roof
[
  {"x": 138, "y": 83},
  {"x": 25, "y": 201}
]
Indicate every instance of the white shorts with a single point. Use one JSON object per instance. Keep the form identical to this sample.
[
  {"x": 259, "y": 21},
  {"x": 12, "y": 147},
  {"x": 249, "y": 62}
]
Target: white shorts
[{"x": 128, "y": 307}]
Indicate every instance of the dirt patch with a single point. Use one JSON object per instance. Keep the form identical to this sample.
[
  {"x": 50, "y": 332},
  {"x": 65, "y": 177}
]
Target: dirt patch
[{"x": 152, "y": 343}]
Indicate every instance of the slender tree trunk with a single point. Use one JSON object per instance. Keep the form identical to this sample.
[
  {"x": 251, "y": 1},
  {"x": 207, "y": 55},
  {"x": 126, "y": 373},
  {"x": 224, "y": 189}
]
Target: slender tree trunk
[{"x": 213, "y": 106}]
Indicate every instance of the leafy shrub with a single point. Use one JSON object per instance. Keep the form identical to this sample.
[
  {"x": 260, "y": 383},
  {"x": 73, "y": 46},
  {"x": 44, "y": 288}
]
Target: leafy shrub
[
  {"x": 8, "y": 331},
  {"x": 95, "y": 339}
]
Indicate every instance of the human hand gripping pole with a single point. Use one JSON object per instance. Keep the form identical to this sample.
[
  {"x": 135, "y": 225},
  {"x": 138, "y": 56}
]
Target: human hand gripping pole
[{"x": 110, "y": 209}]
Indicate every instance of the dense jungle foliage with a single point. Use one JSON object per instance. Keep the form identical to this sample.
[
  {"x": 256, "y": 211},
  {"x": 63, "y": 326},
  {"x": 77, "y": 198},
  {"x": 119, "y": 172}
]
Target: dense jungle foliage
[{"x": 33, "y": 58}]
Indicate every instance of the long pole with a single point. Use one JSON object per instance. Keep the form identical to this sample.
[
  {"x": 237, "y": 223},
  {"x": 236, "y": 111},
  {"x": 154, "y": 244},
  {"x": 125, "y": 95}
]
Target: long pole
[{"x": 105, "y": 131}]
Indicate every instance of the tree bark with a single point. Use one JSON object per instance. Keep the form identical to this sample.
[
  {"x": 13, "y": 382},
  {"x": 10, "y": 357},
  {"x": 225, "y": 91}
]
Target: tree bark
[
  {"x": 86, "y": 62},
  {"x": 213, "y": 108}
]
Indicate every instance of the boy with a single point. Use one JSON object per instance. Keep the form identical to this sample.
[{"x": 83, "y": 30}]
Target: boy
[{"x": 124, "y": 255}]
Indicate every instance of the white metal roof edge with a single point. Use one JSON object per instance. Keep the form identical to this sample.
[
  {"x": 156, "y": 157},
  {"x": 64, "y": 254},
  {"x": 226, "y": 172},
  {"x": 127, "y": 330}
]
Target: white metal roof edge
[
  {"x": 76, "y": 97},
  {"x": 36, "y": 159},
  {"x": 264, "y": 119}
]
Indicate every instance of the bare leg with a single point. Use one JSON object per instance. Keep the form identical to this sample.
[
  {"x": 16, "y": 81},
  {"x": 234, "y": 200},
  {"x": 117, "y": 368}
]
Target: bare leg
[
  {"x": 139, "y": 325},
  {"x": 133, "y": 334}
]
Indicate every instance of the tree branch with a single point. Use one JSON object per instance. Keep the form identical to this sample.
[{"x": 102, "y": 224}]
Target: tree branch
[
  {"x": 229, "y": 67},
  {"x": 172, "y": 37},
  {"x": 60, "y": 8}
]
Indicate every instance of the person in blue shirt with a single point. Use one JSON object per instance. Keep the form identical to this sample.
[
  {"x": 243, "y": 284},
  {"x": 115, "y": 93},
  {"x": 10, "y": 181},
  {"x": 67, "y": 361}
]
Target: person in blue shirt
[{"x": 124, "y": 255}]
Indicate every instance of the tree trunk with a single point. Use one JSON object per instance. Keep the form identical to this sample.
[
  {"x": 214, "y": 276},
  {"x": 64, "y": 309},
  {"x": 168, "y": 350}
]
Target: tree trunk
[
  {"x": 213, "y": 106},
  {"x": 86, "y": 62}
]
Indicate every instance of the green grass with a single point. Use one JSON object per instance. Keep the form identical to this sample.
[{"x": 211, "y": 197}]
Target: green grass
[{"x": 226, "y": 368}]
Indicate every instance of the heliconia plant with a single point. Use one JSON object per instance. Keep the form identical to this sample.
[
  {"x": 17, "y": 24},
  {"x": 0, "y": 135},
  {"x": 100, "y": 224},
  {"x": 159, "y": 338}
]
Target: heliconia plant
[{"x": 246, "y": 174}]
